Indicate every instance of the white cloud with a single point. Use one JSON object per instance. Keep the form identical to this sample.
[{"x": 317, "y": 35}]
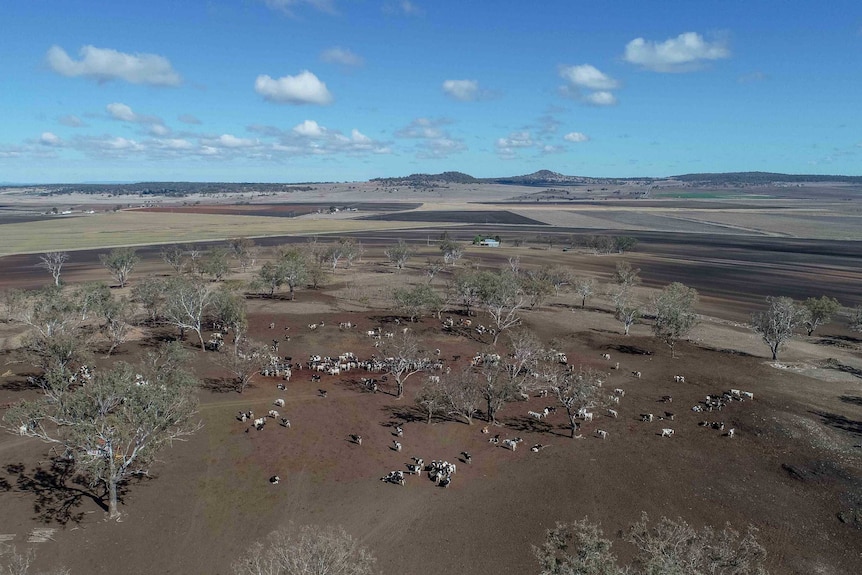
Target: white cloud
[
  {"x": 435, "y": 142},
  {"x": 576, "y": 137},
  {"x": 463, "y": 90},
  {"x": 516, "y": 140},
  {"x": 121, "y": 144},
  {"x": 174, "y": 144},
  {"x": 310, "y": 138},
  {"x": 50, "y": 139},
  {"x": 71, "y": 121},
  {"x": 600, "y": 99},
  {"x": 104, "y": 64},
  {"x": 229, "y": 141},
  {"x": 341, "y": 56},
  {"x": 405, "y": 7},
  {"x": 309, "y": 129},
  {"x": 588, "y": 76},
  {"x": 680, "y": 54},
  {"x": 122, "y": 112},
  {"x": 287, "y": 6},
  {"x": 304, "y": 88},
  {"x": 752, "y": 78},
  {"x": 159, "y": 130},
  {"x": 189, "y": 119},
  {"x": 358, "y": 137}
]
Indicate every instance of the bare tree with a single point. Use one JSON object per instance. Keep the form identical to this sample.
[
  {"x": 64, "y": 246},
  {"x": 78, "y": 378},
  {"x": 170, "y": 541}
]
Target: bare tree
[
  {"x": 585, "y": 287},
  {"x": 777, "y": 323},
  {"x": 175, "y": 257},
  {"x": 115, "y": 425},
  {"x": 245, "y": 362},
  {"x": 627, "y": 309},
  {"x": 466, "y": 288},
  {"x": 577, "y": 548},
  {"x": 496, "y": 387},
  {"x": 308, "y": 551},
  {"x": 674, "y": 313},
  {"x": 333, "y": 254},
  {"x": 856, "y": 319},
  {"x": 53, "y": 262},
  {"x": 463, "y": 393},
  {"x": 90, "y": 297},
  {"x": 673, "y": 546},
  {"x": 670, "y": 547},
  {"x": 14, "y": 563},
  {"x": 404, "y": 359},
  {"x": 503, "y": 298},
  {"x": 116, "y": 314},
  {"x": 187, "y": 301},
  {"x": 399, "y": 254},
  {"x": 11, "y": 299},
  {"x": 433, "y": 267},
  {"x": 451, "y": 251},
  {"x": 150, "y": 294},
  {"x": 559, "y": 277},
  {"x": 576, "y": 391},
  {"x": 229, "y": 313},
  {"x": 432, "y": 398},
  {"x": 626, "y": 275},
  {"x": 245, "y": 251},
  {"x": 120, "y": 262},
  {"x": 818, "y": 311}
]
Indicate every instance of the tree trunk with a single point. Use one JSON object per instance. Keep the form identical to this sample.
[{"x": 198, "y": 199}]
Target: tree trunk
[
  {"x": 584, "y": 301},
  {"x": 201, "y": 337},
  {"x": 774, "y": 349},
  {"x": 292, "y": 293},
  {"x": 113, "y": 511},
  {"x": 399, "y": 386}
]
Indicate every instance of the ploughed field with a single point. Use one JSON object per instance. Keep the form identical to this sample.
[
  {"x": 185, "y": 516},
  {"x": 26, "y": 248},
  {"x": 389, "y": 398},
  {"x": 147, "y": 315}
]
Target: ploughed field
[{"x": 792, "y": 469}]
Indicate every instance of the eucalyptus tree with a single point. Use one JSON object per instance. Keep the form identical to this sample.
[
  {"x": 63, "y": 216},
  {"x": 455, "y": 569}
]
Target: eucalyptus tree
[
  {"x": 777, "y": 323},
  {"x": 53, "y": 262},
  {"x": 120, "y": 262},
  {"x": 115, "y": 426},
  {"x": 674, "y": 313}
]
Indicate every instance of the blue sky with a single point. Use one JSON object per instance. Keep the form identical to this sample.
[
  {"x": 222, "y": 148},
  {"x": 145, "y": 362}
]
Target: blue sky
[{"x": 345, "y": 90}]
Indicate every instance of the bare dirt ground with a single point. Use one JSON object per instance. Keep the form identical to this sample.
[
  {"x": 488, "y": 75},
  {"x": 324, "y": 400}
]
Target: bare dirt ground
[{"x": 793, "y": 469}]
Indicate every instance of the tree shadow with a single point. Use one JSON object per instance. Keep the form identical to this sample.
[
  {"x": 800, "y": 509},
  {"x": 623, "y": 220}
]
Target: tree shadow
[
  {"x": 23, "y": 382},
  {"x": 404, "y": 413},
  {"x": 839, "y": 422},
  {"x": 220, "y": 384},
  {"x": 832, "y": 363},
  {"x": 631, "y": 349},
  {"x": 852, "y": 399},
  {"x": 59, "y": 492}
]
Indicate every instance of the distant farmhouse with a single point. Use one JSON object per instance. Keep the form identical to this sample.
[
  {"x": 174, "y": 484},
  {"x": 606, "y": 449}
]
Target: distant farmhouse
[{"x": 487, "y": 242}]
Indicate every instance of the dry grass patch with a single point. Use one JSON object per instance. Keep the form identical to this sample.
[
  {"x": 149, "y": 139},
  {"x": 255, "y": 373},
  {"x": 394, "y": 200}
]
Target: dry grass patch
[{"x": 145, "y": 228}]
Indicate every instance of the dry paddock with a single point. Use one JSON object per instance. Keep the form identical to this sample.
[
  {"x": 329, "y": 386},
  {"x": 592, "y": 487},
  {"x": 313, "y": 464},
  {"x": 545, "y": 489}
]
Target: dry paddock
[{"x": 789, "y": 471}]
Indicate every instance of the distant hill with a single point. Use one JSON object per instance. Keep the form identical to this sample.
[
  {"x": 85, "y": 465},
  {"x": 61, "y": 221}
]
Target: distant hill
[
  {"x": 428, "y": 179},
  {"x": 762, "y": 178}
]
